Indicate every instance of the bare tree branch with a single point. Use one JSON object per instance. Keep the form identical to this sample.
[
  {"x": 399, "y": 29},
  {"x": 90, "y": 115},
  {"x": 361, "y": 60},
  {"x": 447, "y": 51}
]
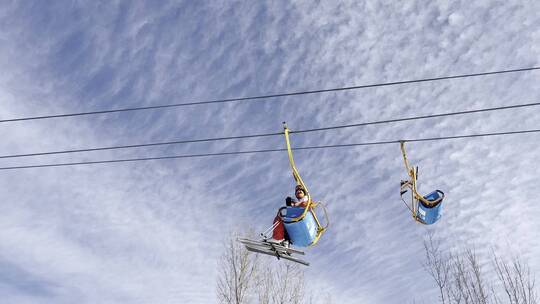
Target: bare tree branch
[
  {"x": 243, "y": 278},
  {"x": 436, "y": 264},
  {"x": 237, "y": 269},
  {"x": 517, "y": 281},
  {"x": 461, "y": 280}
]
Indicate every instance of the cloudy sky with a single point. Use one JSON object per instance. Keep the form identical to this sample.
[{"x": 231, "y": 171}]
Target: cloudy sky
[{"x": 151, "y": 232}]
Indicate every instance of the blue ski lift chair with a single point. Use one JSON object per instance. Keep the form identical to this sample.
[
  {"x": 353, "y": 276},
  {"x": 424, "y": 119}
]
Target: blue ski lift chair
[
  {"x": 302, "y": 224},
  {"x": 430, "y": 213}
]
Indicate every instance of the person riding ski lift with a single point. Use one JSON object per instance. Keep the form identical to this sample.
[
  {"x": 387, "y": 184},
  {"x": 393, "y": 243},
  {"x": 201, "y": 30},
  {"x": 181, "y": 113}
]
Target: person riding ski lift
[
  {"x": 298, "y": 225},
  {"x": 279, "y": 235}
]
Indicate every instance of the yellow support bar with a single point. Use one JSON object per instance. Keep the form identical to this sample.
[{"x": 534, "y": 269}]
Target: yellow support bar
[
  {"x": 407, "y": 166},
  {"x": 310, "y": 205},
  {"x": 412, "y": 175},
  {"x": 296, "y": 175},
  {"x": 411, "y": 171}
]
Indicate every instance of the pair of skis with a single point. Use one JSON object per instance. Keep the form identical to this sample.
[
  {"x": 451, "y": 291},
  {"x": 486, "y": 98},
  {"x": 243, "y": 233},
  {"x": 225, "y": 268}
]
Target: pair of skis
[{"x": 273, "y": 249}]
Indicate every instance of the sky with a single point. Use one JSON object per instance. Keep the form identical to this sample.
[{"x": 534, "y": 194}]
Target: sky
[{"x": 152, "y": 232}]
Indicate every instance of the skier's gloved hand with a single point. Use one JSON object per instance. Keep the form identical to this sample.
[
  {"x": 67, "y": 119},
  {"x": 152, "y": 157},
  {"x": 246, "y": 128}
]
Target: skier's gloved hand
[{"x": 288, "y": 201}]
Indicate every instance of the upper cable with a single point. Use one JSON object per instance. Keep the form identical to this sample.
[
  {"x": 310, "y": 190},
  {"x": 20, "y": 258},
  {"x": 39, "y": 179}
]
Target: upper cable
[
  {"x": 178, "y": 142},
  {"x": 258, "y": 97},
  {"x": 271, "y": 150}
]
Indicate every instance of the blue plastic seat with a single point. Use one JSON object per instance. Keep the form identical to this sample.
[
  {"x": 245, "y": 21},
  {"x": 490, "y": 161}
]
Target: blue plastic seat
[
  {"x": 302, "y": 228},
  {"x": 430, "y": 214}
]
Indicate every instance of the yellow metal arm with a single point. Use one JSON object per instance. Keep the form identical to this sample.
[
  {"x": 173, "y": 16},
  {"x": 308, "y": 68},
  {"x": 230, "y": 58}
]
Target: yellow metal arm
[
  {"x": 407, "y": 166},
  {"x": 296, "y": 175},
  {"x": 412, "y": 172},
  {"x": 310, "y": 204}
]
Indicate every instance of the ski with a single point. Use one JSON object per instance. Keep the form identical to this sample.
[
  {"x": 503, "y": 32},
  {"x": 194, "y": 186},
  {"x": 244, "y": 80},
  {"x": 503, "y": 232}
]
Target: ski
[
  {"x": 277, "y": 254},
  {"x": 270, "y": 245}
]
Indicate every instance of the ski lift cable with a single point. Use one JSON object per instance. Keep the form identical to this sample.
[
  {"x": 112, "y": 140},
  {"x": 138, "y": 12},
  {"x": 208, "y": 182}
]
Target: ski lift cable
[
  {"x": 177, "y": 142},
  {"x": 269, "y": 96},
  {"x": 271, "y": 150}
]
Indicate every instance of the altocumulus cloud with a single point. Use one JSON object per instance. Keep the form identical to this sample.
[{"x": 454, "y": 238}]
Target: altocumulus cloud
[{"x": 151, "y": 232}]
